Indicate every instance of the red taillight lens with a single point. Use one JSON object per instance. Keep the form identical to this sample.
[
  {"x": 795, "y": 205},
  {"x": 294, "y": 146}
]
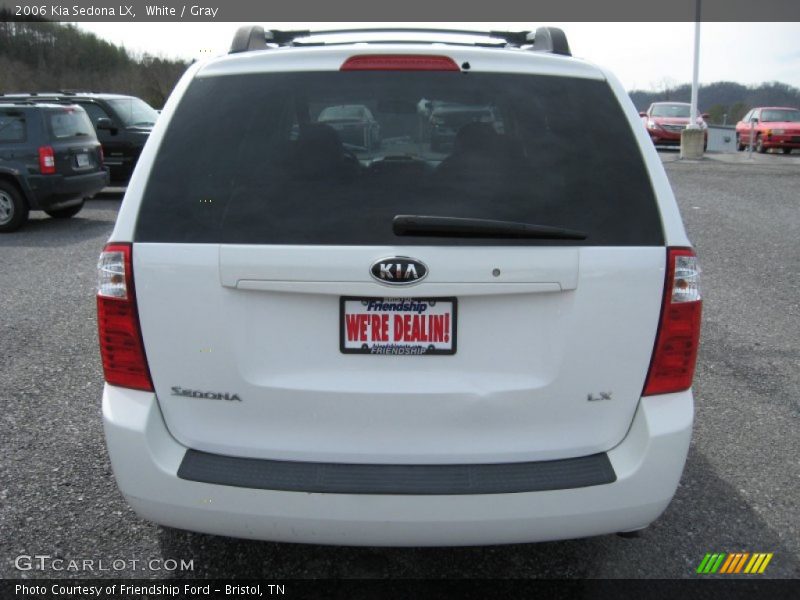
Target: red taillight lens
[
  {"x": 47, "y": 160},
  {"x": 678, "y": 337},
  {"x": 399, "y": 62},
  {"x": 121, "y": 347}
]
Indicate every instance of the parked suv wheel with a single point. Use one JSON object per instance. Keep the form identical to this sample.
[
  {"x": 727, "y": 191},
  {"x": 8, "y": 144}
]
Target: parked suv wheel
[
  {"x": 13, "y": 208},
  {"x": 760, "y": 148},
  {"x": 65, "y": 213}
]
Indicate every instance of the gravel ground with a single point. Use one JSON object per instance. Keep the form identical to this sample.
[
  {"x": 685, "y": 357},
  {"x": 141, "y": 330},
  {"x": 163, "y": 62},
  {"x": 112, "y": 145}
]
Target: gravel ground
[{"x": 739, "y": 491}]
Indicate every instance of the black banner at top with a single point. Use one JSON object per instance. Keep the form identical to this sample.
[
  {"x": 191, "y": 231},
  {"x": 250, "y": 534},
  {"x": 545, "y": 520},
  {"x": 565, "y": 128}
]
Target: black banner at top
[{"x": 407, "y": 10}]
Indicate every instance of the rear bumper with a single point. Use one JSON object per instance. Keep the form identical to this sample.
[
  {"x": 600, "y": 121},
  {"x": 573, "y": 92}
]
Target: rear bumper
[
  {"x": 648, "y": 464},
  {"x": 661, "y": 137},
  {"x": 121, "y": 169},
  {"x": 782, "y": 141},
  {"x": 59, "y": 191},
  {"x": 121, "y": 163}
]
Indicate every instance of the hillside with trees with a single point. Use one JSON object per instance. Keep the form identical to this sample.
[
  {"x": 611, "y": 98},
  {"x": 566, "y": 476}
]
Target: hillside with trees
[
  {"x": 724, "y": 101},
  {"x": 40, "y": 56}
]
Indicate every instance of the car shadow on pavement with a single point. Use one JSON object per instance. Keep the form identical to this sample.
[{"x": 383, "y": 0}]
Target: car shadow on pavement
[{"x": 706, "y": 515}]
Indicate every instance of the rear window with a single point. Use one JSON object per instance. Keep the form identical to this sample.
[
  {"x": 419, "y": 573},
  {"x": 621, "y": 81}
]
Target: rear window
[
  {"x": 261, "y": 159},
  {"x": 69, "y": 123}
]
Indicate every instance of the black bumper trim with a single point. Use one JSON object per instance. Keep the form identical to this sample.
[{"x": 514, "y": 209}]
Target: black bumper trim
[
  {"x": 56, "y": 191},
  {"x": 334, "y": 478}
]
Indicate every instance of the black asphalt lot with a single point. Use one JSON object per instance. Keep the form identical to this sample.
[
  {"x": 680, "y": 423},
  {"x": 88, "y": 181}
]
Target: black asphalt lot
[{"x": 740, "y": 490}]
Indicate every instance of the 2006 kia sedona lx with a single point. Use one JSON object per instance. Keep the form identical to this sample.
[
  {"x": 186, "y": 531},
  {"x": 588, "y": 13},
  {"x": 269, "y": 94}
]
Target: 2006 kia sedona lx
[{"x": 313, "y": 334}]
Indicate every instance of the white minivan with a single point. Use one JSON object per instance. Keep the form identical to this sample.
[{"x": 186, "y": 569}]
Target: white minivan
[{"x": 306, "y": 338}]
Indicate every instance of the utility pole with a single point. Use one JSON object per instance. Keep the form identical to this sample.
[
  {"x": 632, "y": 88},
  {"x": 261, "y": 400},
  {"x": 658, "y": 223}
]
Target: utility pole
[
  {"x": 693, "y": 137},
  {"x": 696, "y": 72}
]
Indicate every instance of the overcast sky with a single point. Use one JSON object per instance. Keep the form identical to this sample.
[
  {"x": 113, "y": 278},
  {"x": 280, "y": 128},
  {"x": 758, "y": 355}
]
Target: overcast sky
[{"x": 642, "y": 55}]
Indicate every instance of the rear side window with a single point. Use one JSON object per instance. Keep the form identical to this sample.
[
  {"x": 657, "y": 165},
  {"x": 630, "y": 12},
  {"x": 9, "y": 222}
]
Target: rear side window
[
  {"x": 332, "y": 157},
  {"x": 69, "y": 123},
  {"x": 94, "y": 111},
  {"x": 12, "y": 126}
]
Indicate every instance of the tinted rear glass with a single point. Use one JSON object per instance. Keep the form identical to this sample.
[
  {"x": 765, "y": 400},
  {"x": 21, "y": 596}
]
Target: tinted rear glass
[
  {"x": 69, "y": 123},
  {"x": 246, "y": 160}
]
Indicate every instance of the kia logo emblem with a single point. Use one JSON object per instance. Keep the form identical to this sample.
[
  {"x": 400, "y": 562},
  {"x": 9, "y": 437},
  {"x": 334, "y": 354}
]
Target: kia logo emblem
[{"x": 398, "y": 270}]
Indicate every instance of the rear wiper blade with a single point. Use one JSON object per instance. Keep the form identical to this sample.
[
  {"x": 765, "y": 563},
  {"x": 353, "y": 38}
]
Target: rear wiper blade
[{"x": 424, "y": 225}]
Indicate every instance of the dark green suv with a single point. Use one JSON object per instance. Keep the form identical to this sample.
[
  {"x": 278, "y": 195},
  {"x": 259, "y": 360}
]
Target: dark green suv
[
  {"x": 50, "y": 160},
  {"x": 122, "y": 124}
]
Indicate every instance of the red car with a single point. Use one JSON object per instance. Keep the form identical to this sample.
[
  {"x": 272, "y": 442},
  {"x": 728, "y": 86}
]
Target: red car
[
  {"x": 666, "y": 120},
  {"x": 774, "y": 127}
]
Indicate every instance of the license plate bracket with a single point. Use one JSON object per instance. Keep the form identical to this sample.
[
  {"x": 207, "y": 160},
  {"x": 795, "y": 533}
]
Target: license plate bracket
[{"x": 398, "y": 326}]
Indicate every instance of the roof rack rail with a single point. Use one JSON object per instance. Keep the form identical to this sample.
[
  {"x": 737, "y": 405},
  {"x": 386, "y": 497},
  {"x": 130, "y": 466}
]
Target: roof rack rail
[
  {"x": 544, "y": 39},
  {"x": 248, "y": 37},
  {"x": 30, "y": 94},
  {"x": 19, "y": 102},
  {"x": 551, "y": 39}
]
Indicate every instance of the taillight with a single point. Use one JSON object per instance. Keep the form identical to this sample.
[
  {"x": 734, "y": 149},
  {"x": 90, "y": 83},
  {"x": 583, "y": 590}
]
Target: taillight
[
  {"x": 121, "y": 347},
  {"x": 678, "y": 337},
  {"x": 399, "y": 62},
  {"x": 47, "y": 160}
]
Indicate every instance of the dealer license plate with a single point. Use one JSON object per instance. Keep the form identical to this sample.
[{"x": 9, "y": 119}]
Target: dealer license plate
[{"x": 397, "y": 326}]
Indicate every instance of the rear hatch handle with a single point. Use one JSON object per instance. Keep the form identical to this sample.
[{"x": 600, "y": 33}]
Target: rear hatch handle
[{"x": 345, "y": 270}]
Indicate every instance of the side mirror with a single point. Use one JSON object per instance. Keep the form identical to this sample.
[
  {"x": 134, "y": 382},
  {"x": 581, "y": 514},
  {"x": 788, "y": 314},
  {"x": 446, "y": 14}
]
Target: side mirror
[
  {"x": 642, "y": 114},
  {"x": 705, "y": 116},
  {"x": 754, "y": 120},
  {"x": 106, "y": 125}
]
